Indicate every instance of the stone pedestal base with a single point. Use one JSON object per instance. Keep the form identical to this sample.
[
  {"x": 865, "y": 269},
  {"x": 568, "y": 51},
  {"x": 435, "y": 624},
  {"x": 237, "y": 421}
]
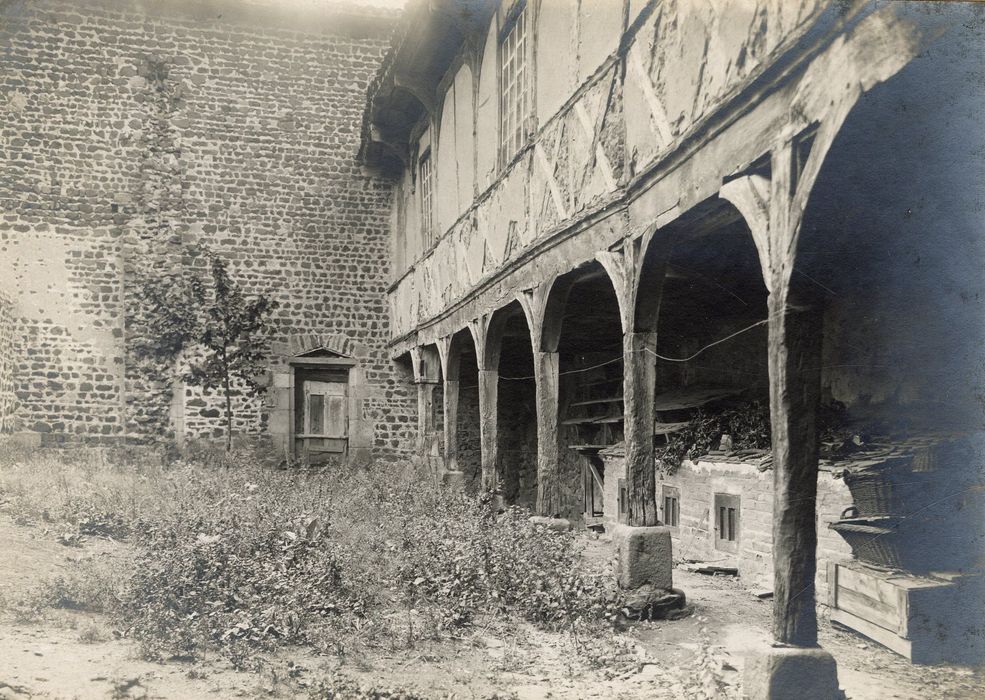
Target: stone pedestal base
[
  {"x": 644, "y": 572},
  {"x": 645, "y": 557},
  {"x": 791, "y": 673}
]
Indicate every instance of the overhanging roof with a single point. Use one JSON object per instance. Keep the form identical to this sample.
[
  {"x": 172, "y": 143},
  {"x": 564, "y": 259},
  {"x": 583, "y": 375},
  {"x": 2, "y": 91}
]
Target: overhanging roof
[{"x": 425, "y": 43}]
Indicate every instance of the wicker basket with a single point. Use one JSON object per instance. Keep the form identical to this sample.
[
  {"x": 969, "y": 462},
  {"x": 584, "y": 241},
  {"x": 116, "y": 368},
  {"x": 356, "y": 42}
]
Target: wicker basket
[
  {"x": 887, "y": 542},
  {"x": 889, "y": 488}
]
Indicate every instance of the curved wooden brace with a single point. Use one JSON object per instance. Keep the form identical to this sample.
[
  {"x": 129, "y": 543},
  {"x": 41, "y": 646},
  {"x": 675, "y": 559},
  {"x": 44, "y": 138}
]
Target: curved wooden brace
[
  {"x": 450, "y": 363},
  {"x": 750, "y": 194},
  {"x": 487, "y": 335},
  {"x": 620, "y": 267},
  {"x": 426, "y": 362},
  {"x": 651, "y": 273},
  {"x": 543, "y": 307}
]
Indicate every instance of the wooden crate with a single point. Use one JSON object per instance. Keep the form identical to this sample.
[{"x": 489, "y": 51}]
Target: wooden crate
[{"x": 927, "y": 619}]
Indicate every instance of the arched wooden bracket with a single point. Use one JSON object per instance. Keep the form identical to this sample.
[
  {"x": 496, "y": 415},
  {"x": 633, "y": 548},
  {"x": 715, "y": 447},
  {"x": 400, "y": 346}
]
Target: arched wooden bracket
[
  {"x": 450, "y": 358},
  {"x": 543, "y": 307},
  {"x": 426, "y": 363},
  {"x": 487, "y": 335},
  {"x": 637, "y": 268}
]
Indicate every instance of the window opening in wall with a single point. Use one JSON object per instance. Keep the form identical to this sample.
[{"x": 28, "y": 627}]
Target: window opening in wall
[
  {"x": 726, "y": 522},
  {"x": 427, "y": 199},
  {"x": 515, "y": 87},
  {"x": 671, "y": 506}
]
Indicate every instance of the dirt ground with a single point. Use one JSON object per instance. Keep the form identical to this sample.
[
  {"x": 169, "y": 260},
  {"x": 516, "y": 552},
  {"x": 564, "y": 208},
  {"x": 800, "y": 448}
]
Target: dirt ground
[{"x": 69, "y": 654}]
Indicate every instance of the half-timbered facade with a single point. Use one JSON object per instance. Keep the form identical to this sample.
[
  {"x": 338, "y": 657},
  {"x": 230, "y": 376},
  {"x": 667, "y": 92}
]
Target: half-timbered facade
[{"x": 609, "y": 215}]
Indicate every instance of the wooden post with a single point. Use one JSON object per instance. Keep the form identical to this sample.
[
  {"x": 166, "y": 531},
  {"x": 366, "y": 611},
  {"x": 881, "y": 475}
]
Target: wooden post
[
  {"x": 638, "y": 271},
  {"x": 543, "y": 308},
  {"x": 546, "y": 375},
  {"x": 451, "y": 424},
  {"x": 795, "y": 384},
  {"x": 425, "y": 412},
  {"x": 425, "y": 362},
  {"x": 639, "y": 385},
  {"x": 489, "y": 427}
]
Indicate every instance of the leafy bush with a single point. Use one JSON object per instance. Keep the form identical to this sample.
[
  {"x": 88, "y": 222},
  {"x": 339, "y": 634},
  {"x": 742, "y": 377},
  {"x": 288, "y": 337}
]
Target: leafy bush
[
  {"x": 473, "y": 563},
  {"x": 748, "y": 424},
  {"x": 231, "y": 554},
  {"x": 246, "y": 559}
]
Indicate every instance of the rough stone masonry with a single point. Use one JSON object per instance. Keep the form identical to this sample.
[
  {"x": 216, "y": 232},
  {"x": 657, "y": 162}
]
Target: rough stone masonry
[{"x": 132, "y": 134}]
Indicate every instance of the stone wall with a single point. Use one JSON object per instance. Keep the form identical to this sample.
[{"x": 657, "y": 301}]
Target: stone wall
[
  {"x": 469, "y": 438},
  {"x": 6, "y": 364},
  {"x": 128, "y": 137},
  {"x": 694, "y": 537}
]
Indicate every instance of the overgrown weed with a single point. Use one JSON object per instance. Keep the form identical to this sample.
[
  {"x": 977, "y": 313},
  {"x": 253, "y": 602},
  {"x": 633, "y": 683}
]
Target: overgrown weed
[{"x": 235, "y": 556}]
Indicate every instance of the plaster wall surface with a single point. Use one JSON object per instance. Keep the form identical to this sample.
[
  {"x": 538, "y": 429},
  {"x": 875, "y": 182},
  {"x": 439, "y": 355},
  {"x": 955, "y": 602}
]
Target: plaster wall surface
[
  {"x": 597, "y": 119},
  {"x": 127, "y": 135}
]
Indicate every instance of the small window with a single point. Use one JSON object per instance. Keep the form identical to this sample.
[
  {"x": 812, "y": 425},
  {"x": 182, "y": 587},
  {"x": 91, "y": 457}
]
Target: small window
[
  {"x": 515, "y": 86},
  {"x": 623, "y": 515},
  {"x": 671, "y": 506},
  {"x": 726, "y": 522},
  {"x": 427, "y": 200}
]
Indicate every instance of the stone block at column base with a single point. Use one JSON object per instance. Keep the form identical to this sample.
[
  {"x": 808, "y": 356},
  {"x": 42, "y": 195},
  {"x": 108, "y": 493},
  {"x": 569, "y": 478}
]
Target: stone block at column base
[
  {"x": 791, "y": 673},
  {"x": 454, "y": 480},
  {"x": 645, "y": 557}
]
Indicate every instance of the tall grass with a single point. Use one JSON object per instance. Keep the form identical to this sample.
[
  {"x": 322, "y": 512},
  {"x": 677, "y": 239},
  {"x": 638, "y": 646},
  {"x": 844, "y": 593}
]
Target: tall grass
[{"x": 235, "y": 556}]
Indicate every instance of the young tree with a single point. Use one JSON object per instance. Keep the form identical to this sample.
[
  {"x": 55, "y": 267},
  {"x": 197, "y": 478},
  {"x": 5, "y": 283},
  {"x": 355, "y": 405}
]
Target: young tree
[{"x": 222, "y": 334}]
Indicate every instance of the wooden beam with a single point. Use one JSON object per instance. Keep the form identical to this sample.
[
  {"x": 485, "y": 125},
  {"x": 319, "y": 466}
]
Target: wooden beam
[
  {"x": 639, "y": 385},
  {"x": 795, "y": 388}
]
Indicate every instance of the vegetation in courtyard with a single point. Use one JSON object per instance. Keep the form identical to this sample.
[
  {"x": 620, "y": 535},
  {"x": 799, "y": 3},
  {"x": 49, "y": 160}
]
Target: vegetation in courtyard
[
  {"x": 218, "y": 333},
  {"x": 246, "y": 559},
  {"x": 747, "y": 423}
]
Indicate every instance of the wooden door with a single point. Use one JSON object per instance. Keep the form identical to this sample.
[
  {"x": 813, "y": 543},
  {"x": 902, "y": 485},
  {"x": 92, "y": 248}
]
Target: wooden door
[{"x": 323, "y": 419}]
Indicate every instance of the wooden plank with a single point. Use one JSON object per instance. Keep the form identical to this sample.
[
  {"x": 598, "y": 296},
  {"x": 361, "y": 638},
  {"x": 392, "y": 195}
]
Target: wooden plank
[
  {"x": 595, "y": 474},
  {"x": 610, "y": 419},
  {"x": 597, "y": 402},
  {"x": 584, "y": 420},
  {"x": 876, "y": 633},
  {"x": 874, "y": 611},
  {"x": 668, "y": 428},
  {"x": 870, "y": 586},
  {"x": 587, "y": 448},
  {"x": 680, "y": 399}
]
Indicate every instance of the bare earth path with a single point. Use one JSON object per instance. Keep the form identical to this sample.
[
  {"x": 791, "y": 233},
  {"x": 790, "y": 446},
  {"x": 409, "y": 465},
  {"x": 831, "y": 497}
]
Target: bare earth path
[{"x": 68, "y": 654}]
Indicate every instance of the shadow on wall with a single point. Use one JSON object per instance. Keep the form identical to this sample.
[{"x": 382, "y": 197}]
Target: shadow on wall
[{"x": 895, "y": 238}]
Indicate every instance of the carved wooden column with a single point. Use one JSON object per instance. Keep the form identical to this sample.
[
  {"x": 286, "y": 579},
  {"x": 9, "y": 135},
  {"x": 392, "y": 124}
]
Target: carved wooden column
[
  {"x": 546, "y": 376},
  {"x": 637, "y": 271},
  {"x": 543, "y": 308},
  {"x": 425, "y": 412},
  {"x": 425, "y": 381},
  {"x": 487, "y": 337},
  {"x": 489, "y": 427},
  {"x": 450, "y": 364},
  {"x": 795, "y": 335},
  {"x": 773, "y": 207},
  {"x": 639, "y": 386},
  {"x": 450, "y": 394}
]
